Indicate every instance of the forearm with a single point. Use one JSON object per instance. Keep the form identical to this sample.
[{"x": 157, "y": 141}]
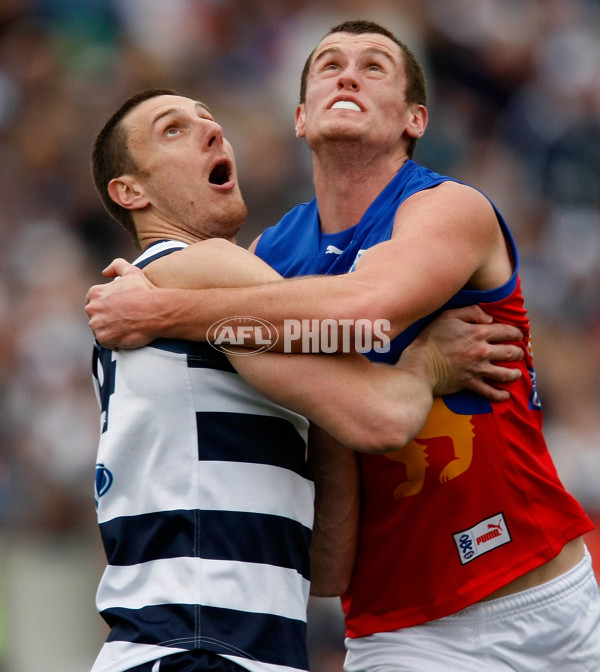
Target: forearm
[
  {"x": 192, "y": 288},
  {"x": 335, "y": 530},
  {"x": 380, "y": 408},
  {"x": 344, "y": 299},
  {"x": 367, "y": 407}
]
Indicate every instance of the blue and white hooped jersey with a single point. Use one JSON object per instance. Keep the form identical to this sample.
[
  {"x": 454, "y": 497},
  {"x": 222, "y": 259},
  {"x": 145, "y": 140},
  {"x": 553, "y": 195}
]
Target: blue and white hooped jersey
[{"x": 205, "y": 509}]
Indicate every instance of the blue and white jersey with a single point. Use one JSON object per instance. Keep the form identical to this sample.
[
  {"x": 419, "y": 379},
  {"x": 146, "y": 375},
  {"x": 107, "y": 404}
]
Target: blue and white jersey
[{"x": 205, "y": 509}]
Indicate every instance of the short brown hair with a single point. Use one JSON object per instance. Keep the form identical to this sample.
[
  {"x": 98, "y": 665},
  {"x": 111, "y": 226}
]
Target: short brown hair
[
  {"x": 416, "y": 86},
  {"x": 111, "y": 158}
]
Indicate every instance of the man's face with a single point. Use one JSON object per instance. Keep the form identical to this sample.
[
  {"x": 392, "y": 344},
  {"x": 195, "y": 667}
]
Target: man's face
[
  {"x": 355, "y": 91},
  {"x": 185, "y": 166}
]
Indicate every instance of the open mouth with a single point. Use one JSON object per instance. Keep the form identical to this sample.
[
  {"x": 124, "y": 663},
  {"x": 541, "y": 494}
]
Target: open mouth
[{"x": 219, "y": 174}]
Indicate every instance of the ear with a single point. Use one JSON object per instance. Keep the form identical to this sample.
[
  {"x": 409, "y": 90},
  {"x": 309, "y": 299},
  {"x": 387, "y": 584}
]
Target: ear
[
  {"x": 418, "y": 121},
  {"x": 300, "y": 120},
  {"x": 127, "y": 192}
]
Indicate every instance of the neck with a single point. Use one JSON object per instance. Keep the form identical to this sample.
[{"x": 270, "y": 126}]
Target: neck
[
  {"x": 346, "y": 185},
  {"x": 151, "y": 231},
  {"x": 146, "y": 241}
]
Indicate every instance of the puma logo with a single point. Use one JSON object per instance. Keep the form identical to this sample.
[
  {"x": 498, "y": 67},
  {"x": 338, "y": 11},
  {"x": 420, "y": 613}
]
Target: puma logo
[{"x": 483, "y": 537}]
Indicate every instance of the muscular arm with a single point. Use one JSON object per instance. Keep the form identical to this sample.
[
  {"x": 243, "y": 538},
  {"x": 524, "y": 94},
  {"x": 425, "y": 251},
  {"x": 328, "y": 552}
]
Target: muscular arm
[
  {"x": 444, "y": 239},
  {"x": 365, "y": 406}
]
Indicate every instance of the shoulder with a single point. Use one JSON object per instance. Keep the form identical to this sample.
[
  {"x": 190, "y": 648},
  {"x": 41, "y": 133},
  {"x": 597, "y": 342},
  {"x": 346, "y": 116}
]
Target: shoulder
[
  {"x": 450, "y": 201},
  {"x": 254, "y": 245},
  {"x": 452, "y": 191},
  {"x": 158, "y": 250}
]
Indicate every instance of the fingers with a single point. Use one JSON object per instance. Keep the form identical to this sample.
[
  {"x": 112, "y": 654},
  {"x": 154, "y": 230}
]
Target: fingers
[
  {"x": 92, "y": 293},
  {"x": 490, "y": 392},
  {"x": 476, "y": 353},
  {"x": 505, "y": 353},
  {"x": 474, "y": 314},
  {"x": 485, "y": 383},
  {"x": 119, "y": 267},
  {"x": 501, "y": 332},
  {"x": 490, "y": 331},
  {"x": 501, "y": 374}
]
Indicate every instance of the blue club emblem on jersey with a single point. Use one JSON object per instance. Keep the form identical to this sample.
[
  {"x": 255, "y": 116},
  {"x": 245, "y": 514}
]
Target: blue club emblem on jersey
[{"x": 104, "y": 479}]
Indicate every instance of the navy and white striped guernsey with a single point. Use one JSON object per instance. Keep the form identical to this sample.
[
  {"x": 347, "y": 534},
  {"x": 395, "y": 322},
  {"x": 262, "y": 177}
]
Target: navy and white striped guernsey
[{"x": 205, "y": 509}]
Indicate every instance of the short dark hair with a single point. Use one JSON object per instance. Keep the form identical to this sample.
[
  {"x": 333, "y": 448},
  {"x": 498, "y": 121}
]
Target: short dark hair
[
  {"x": 416, "y": 86},
  {"x": 111, "y": 157}
]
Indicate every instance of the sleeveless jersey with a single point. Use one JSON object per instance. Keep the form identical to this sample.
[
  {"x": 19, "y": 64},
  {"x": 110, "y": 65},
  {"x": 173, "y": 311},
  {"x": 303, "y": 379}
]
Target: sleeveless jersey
[
  {"x": 474, "y": 501},
  {"x": 205, "y": 510}
]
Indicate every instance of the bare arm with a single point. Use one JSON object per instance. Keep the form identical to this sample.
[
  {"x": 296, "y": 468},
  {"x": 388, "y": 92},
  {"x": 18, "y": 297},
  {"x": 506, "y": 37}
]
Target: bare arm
[
  {"x": 379, "y": 408},
  {"x": 444, "y": 239},
  {"x": 366, "y": 406},
  {"x": 335, "y": 530}
]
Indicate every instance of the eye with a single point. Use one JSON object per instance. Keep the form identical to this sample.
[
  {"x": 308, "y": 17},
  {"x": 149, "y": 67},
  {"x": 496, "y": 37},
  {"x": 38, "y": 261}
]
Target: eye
[
  {"x": 329, "y": 65},
  {"x": 171, "y": 131},
  {"x": 375, "y": 67}
]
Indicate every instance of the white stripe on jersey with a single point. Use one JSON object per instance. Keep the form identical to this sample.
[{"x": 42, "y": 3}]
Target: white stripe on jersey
[
  {"x": 231, "y": 585},
  {"x": 158, "y": 248},
  {"x": 229, "y": 393},
  {"x": 255, "y": 488}
]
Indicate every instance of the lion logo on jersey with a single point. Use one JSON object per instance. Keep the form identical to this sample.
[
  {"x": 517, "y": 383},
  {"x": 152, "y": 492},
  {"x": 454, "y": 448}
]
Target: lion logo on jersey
[{"x": 442, "y": 422}]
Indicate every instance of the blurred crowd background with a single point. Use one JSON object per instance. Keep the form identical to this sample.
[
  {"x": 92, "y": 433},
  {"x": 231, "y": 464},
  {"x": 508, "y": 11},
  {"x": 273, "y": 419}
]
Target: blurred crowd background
[{"x": 514, "y": 109}]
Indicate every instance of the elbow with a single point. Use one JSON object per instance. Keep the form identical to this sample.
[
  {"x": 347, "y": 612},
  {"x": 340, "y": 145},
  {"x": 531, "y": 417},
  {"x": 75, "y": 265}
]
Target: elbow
[
  {"x": 388, "y": 421},
  {"x": 332, "y": 588},
  {"x": 382, "y": 435},
  {"x": 330, "y": 576}
]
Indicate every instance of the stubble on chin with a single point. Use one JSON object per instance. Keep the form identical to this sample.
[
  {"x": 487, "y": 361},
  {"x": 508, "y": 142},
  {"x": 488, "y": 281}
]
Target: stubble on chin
[{"x": 229, "y": 220}]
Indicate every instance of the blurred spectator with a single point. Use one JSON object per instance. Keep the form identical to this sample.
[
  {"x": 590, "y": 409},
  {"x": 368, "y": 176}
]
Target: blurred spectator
[{"x": 514, "y": 109}]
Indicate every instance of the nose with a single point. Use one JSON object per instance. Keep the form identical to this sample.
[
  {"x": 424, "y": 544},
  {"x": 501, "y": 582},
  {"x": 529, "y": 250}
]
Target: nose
[
  {"x": 213, "y": 133},
  {"x": 348, "y": 80}
]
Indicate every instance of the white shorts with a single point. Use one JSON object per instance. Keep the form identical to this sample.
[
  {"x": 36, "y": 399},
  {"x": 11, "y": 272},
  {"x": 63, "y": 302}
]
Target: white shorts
[{"x": 554, "y": 627}]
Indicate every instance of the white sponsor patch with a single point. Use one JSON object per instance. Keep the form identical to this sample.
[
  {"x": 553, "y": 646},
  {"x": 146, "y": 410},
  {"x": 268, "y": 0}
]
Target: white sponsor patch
[{"x": 481, "y": 538}]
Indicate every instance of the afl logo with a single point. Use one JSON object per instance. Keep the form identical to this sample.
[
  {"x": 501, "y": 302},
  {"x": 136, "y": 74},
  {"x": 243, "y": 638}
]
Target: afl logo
[
  {"x": 104, "y": 479},
  {"x": 251, "y": 333}
]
